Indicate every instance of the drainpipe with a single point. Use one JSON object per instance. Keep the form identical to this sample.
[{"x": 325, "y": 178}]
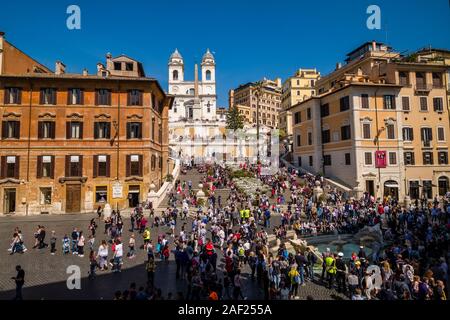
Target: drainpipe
[
  {"x": 378, "y": 138},
  {"x": 29, "y": 142},
  {"x": 118, "y": 139}
]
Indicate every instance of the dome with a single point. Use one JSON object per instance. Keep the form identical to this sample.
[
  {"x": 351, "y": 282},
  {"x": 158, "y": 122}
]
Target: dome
[
  {"x": 208, "y": 56},
  {"x": 175, "y": 55}
]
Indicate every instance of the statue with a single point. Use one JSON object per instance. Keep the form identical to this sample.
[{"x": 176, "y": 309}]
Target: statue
[{"x": 318, "y": 191}]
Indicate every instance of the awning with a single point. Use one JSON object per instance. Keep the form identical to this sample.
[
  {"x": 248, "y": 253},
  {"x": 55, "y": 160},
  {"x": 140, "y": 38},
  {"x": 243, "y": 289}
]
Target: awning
[{"x": 391, "y": 185}]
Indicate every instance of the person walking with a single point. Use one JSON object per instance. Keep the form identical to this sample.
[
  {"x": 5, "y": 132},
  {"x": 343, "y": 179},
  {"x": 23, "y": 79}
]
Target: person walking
[
  {"x": 294, "y": 276},
  {"x": 118, "y": 254},
  {"x": 53, "y": 243},
  {"x": 103, "y": 255},
  {"x": 20, "y": 281},
  {"x": 131, "y": 246},
  {"x": 80, "y": 244}
]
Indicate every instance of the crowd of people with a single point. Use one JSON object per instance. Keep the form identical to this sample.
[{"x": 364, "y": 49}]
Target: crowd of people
[{"x": 221, "y": 244}]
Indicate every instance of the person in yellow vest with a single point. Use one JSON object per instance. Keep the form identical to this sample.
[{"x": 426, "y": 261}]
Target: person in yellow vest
[
  {"x": 330, "y": 263},
  {"x": 242, "y": 215},
  {"x": 146, "y": 237},
  {"x": 247, "y": 213}
]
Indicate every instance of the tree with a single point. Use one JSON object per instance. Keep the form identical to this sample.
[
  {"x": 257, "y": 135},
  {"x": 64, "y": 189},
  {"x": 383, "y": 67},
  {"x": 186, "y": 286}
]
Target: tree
[{"x": 235, "y": 120}]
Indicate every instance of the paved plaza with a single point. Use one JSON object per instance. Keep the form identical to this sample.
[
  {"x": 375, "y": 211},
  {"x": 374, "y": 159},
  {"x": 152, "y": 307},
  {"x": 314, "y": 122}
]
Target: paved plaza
[{"x": 46, "y": 274}]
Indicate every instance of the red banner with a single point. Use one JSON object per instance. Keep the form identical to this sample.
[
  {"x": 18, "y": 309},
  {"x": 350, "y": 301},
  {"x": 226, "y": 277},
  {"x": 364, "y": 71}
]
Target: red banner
[{"x": 380, "y": 159}]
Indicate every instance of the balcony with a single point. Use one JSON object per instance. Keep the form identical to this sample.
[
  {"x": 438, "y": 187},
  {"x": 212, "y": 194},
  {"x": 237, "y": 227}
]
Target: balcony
[
  {"x": 423, "y": 88},
  {"x": 426, "y": 144}
]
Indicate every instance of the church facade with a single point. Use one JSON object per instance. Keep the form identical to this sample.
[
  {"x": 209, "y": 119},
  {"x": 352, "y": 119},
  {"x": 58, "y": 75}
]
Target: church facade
[{"x": 195, "y": 128}]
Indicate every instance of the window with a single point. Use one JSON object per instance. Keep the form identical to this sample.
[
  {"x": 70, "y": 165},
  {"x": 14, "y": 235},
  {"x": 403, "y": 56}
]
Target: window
[
  {"x": 420, "y": 80},
  {"x": 366, "y": 130},
  {"x": 443, "y": 157},
  {"x": 153, "y": 129},
  {"x": 134, "y": 130},
  {"x": 11, "y": 129},
  {"x": 117, "y": 65},
  {"x": 427, "y": 136},
  {"x": 208, "y": 75},
  {"x": 299, "y": 141},
  {"x": 325, "y": 110},
  {"x": 368, "y": 158},
  {"x": 443, "y": 186},
  {"x": 327, "y": 160},
  {"x": 45, "y": 167},
  {"x": 299, "y": 159},
  {"x": 392, "y": 158},
  {"x": 310, "y": 161},
  {"x": 365, "y": 101},
  {"x": 428, "y": 158},
  {"x": 74, "y": 130},
  {"x": 408, "y": 134},
  {"x": 75, "y": 96},
  {"x": 134, "y": 165},
  {"x": 46, "y": 130},
  {"x": 310, "y": 141},
  {"x": 103, "y": 97},
  {"x": 405, "y": 104},
  {"x": 101, "y": 194},
  {"x": 13, "y": 96},
  {"x": 438, "y": 104},
  {"x": 326, "y": 136},
  {"x": 441, "y": 133},
  {"x": 347, "y": 159},
  {"x": 409, "y": 158},
  {"x": 308, "y": 113},
  {"x": 423, "y": 104},
  {"x": 46, "y": 196},
  {"x": 437, "y": 80},
  {"x": 135, "y": 97},
  {"x": 345, "y": 103},
  {"x": 102, "y": 130},
  {"x": 160, "y": 133},
  {"x": 74, "y": 166},
  {"x": 175, "y": 75},
  {"x": 10, "y": 167},
  {"x": 129, "y": 66},
  {"x": 101, "y": 166},
  {"x": 345, "y": 132},
  {"x": 153, "y": 162},
  {"x": 403, "y": 77},
  {"x": 414, "y": 190},
  {"x": 298, "y": 117},
  {"x": 48, "y": 96},
  {"x": 389, "y": 102},
  {"x": 390, "y": 131},
  {"x": 427, "y": 189}
]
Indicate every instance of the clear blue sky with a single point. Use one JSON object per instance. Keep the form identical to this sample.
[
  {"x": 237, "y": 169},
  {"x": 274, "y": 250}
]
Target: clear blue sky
[{"x": 251, "y": 39}]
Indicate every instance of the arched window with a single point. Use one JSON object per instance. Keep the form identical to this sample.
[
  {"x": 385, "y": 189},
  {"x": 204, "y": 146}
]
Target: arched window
[
  {"x": 175, "y": 75},
  {"x": 208, "y": 75}
]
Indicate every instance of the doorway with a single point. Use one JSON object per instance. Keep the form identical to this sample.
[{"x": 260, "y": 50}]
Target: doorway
[
  {"x": 73, "y": 198},
  {"x": 370, "y": 187},
  {"x": 9, "y": 200},
  {"x": 133, "y": 196},
  {"x": 391, "y": 189}
]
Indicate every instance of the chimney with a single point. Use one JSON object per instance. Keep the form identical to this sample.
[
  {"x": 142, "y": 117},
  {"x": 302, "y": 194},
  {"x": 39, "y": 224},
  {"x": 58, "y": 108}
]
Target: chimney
[
  {"x": 278, "y": 82},
  {"x": 100, "y": 67},
  {"x": 85, "y": 72},
  {"x": 338, "y": 65},
  {"x": 374, "y": 45},
  {"x": 109, "y": 64},
  {"x": 60, "y": 68}
]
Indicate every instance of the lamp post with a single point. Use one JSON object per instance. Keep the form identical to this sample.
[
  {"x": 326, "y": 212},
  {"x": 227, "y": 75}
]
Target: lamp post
[{"x": 258, "y": 93}]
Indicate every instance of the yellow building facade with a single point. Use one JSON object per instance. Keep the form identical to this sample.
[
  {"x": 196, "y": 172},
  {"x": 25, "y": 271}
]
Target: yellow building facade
[{"x": 379, "y": 124}]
